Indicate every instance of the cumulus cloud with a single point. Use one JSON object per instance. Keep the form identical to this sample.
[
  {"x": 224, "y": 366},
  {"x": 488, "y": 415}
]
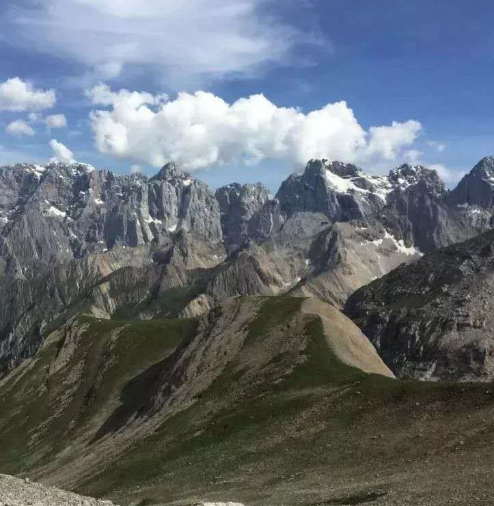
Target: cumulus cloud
[
  {"x": 18, "y": 95},
  {"x": 186, "y": 40},
  {"x": 56, "y": 121},
  {"x": 449, "y": 176},
  {"x": 61, "y": 153},
  {"x": 20, "y": 127},
  {"x": 438, "y": 146},
  {"x": 135, "y": 169},
  {"x": 201, "y": 130}
]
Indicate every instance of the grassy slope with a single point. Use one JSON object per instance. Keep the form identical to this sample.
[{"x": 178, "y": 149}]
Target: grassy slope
[
  {"x": 323, "y": 434},
  {"x": 30, "y": 435},
  {"x": 326, "y": 432}
]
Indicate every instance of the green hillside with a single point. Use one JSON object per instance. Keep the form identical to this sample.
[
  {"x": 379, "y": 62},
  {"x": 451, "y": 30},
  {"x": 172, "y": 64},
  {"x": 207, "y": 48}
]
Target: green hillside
[{"x": 249, "y": 405}]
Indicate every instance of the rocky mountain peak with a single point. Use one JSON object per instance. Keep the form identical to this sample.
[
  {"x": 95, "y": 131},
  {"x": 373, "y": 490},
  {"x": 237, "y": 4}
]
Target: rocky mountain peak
[
  {"x": 239, "y": 204},
  {"x": 407, "y": 175},
  {"x": 477, "y": 187},
  {"x": 171, "y": 172},
  {"x": 344, "y": 170},
  {"x": 485, "y": 168}
]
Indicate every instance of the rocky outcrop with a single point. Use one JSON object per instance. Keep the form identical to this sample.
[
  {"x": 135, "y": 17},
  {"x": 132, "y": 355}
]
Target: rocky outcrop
[
  {"x": 433, "y": 319},
  {"x": 476, "y": 189},
  {"x": 341, "y": 192},
  {"x": 239, "y": 205}
]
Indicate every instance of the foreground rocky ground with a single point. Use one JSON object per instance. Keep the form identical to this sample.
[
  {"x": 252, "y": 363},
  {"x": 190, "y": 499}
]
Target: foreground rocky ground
[{"x": 17, "y": 492}]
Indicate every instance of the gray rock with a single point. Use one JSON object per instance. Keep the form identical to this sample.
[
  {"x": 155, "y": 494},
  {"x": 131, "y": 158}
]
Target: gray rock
[
  {"x": 17, "y": 492},
  {"x": 239, "y": 204},
  {"x": 477, "y": 187},
  {"x": 433, "y": 319}
]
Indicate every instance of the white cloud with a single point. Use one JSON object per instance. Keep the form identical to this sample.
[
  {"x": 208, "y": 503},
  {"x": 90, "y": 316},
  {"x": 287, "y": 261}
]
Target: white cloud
[
  {"x": 201, "y": 130},
  {"x": 17, "y": 95},
  {"x": 185, "y": 40},
  {"x": 35, "y": 117},
  {"x": 61, "y": 153},
  {"x": 19, "y": 128},
  {"x": 56, "y": 121},
  {"x": 386, "y": 141},
  {"x": 449, "y": 176},
  {"x": 437, "y": 146},
  {"x": 412, "y": 156},
  {"x": 135, "y": 169}
]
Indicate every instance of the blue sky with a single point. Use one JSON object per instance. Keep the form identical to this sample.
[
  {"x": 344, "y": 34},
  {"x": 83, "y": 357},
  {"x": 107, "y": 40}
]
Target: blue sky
[{"x": 419, "y": 72}]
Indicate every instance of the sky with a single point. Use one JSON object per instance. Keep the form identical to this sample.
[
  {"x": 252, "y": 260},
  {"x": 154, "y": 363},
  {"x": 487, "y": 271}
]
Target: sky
[{"x": 247, "y": 90}]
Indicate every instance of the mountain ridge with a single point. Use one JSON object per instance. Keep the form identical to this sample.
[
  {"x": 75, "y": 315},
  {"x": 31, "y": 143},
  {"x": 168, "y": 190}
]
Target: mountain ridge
[
  {"x": 432, "y": 319},
  {"x": 73, "y": 238}
]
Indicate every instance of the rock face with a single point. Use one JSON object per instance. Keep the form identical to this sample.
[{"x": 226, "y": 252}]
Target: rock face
[
  {"x": 433, "y": 319},
  {"x": 240, "y": 206},
  {"x": 341, "y": 192},
  {"x": 16, "y": 492},
  {"x": 476, "y": 188},
  {"x": 65, "y": 228},
  {"x": 75, "y": 239}
]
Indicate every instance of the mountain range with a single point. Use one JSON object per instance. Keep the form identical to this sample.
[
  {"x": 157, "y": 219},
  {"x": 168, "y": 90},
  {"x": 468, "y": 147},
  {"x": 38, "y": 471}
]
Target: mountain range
[
  {"x": 161, "y": 343},
  {"x": 75, "y": 239}
]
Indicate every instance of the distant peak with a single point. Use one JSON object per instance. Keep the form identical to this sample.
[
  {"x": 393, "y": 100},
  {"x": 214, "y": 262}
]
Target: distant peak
[
  {"x": 343, "y": 169},
  {"x": 485, "y": 168},
  {"x": 488, "y": 160},
  {"x": 407, "y": 175},
  {"x": 408, "y": 171},
  {"x": 171, "y": 171},
  {"x": 340, "y": 169}
]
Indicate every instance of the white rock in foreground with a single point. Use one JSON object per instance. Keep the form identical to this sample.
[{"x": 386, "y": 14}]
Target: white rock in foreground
[
  {"x": 220, "y": 504},
  {"x": 17, "y": 492}
]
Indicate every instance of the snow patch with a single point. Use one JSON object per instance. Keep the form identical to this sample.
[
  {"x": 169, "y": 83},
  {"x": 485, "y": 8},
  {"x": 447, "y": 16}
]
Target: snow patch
[
  {"x": 376, "y": 242},
  {"x": 39, "y": 170},
  {"x": 153, "y": 220},
  {"x": 380, "y": 186},
  {"x": 401, "y": 247},
  {"x": 338, "y": 183},
  {"x": 53, "y": 211}
]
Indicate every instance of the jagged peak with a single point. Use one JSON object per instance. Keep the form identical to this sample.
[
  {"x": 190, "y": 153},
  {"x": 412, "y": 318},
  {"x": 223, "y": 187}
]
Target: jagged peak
[
  {"x": 171, "y": 171},
  {"x": 340, "y": 169},
  {"x": 407, "y": 175},
  {"x": 407, "y": 169},
  {"x": 344, "y": 170},
  {"x": 242, "y": 189},
  {"x": 484, "y": 168}
]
